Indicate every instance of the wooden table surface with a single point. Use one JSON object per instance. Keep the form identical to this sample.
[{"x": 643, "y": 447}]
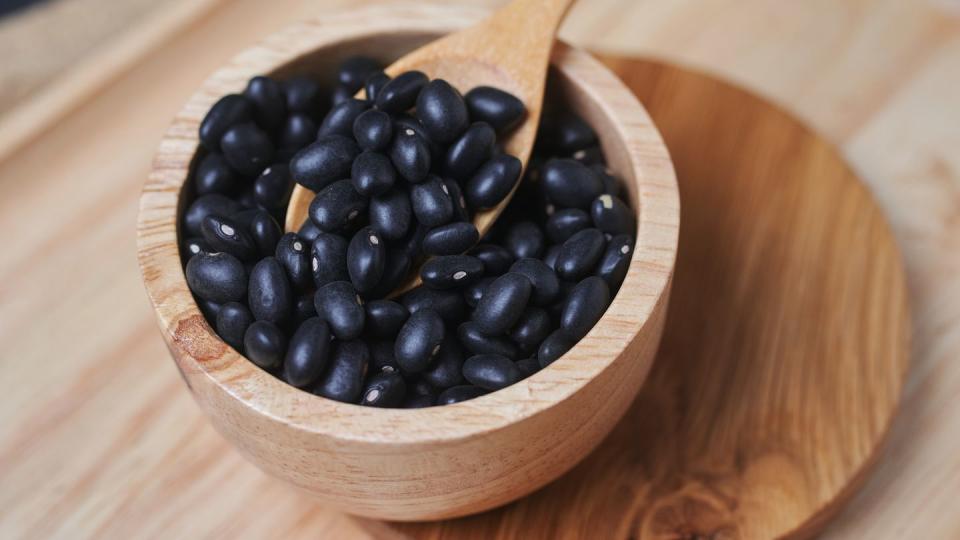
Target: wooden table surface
[{"x": 100, "y": 439}]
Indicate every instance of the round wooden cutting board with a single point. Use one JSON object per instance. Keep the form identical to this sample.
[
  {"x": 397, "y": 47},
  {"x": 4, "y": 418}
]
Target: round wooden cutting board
[{"x": 784, "y": 354}]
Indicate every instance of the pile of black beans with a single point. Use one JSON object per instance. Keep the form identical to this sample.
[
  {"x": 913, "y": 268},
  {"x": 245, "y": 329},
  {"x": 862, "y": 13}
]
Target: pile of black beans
[{"x": 398, "y": 176}]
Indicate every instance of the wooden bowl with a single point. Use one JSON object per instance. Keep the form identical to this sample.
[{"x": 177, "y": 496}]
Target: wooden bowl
[{"x": 444, "y": 461}]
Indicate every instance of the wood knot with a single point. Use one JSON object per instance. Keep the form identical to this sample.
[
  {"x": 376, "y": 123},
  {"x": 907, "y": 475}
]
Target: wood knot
[
  {"x": 194, "y": 337},
  {"x": 687, "y": 516}
]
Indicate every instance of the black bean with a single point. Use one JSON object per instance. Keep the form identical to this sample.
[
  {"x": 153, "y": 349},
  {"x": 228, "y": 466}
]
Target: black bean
[
  {"x": 460, "y": 393},
  {"x": 496, "y": 259},
  {"x": 570, "y": 133},
  {"x": 448, "y": 271},
  {"x": 525, "y": 239},
  {"x": 265, "y": 231},
  {"x": 616, "y": 260},
  {"x": 493, "y": 181},
  {"x": 592, "y": 155},
  {"x": 502, "y": 303},
  {"x": 450, "y": 239},
  {"x": 570, "y": 184},
  {"x": 395, "y": 270},
  {"x": 469, "y": 151},
  {"x": 565, "y": 223},
  {"x": 247, "y": 148},
  {"x": 556, "y": 345},
  {"x": 291, "y": 252},
  {"x": 445, "y": 371},
  {"x": 449, "y": 304},
  {"x": 474, "y": 292},
  {"x": 327, "y": 160},
  {"x": 501, "y": 110},
  {"x": 431, "y": 202},
  {"x": 245, "y": 217},
  {"x": 340, "y": 306},
  {"x": 303, "y": 309},
  {"x": 384, "y": 389},
  {"x": 419, "y": 401},
  {"x": 418, "y": 341},
  {"x": 269, "y": 102},
  {"x": 475, "y": 341},
  {"x": 227, "y": 235},
  {"x": 307, "y": 353},
  {"x": 579, "y": 254},
  {"x": 491, "y": 371},
  {"x": 372, "y": 174},
  {"x": 612, "y": 215},
  {"x": 204, "y": 206},
  {"x": 264, "y": 344},
  {"x": 340, "y": 119},
  {"x": 298, "y": 131},
  {"x": 209, "y": 309},
  {"x": 308, "y": 231},
  {"x": 610, "y": 183},
  {"x": 584, "y": 306},
  {"x": 303, "y": 96},
  {"x": 340, "y": 94},
  {"x": 336, "y": 206},
  {"x": 343, "y": 380},
  {"x": 272, "y": 188},
  {"x": 193, "y": 246},
  {"x": 227, "y": 112},
  {"x": 533, "y": 327},
  {"x": 550, "y": 258},
  {"x": 528, "y": 366},
  {"x": 381, "y": 356},
  {"x": 546, "y": 286},
  {"x": 390, "y": 214},
  {"x": 384, "y": 318},
  {"x": 214, "y": 175},
  {"x": 354, "y": 71},
  {"x": 373, "y": 130},
  {"x": 406, "y": 121},
  {"x": 442, "y": 111},
  {"x": 233, "y": 318},
  {"x": 400, "y": 93},
  {"x": 217, "y": 277},
  {"x": 374, "y": 84},
  {"x": 366, "y": 257},
  {"x": 269, "y": 294},
  {"x": 410, "y": 155},
  {"x": 460, "y": 210},
  {"x": 412, "y": 245}
]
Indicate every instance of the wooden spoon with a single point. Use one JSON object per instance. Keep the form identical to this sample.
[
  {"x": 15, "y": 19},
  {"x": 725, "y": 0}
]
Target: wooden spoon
[{"x": 510, "y": 50}]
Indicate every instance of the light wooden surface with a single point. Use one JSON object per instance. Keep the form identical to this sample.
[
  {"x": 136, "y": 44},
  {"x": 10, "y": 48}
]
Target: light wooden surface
[
  {"x": 99, "y": 439},
  {"x": 435, "y": 462}
]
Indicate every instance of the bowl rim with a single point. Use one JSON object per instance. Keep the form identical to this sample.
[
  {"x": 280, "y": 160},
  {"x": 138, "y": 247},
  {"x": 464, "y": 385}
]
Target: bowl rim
[{"x": 200, "y": 350}]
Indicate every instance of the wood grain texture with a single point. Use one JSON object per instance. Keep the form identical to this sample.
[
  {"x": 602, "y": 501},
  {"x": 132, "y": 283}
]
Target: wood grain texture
[
  {"x": 440, "y": 461},
  {"x": 97, "y": 437}
]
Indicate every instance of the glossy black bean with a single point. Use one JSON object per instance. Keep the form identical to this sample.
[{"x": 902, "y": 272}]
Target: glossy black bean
[
  {"x": 194, "y": 245},
  {"x": 390, "y": 214},
  {"x": 327, "y": 160},
  {"x": 343, "y": 380},
  {"x": 491, "y": 371},
  {"x": 292, "y": 254},
  {"x": 233, "y": 318},
  {"x": 442, "y": 111},
  {"x": 533, "y": 327},
  {"x": 565, "y": 223},
  {"x": 381, "y": 356},
  {"x": 372, "y": 174},
  {"x": 269, "y": 102},
  {"x": 373, "y": 130},
  {"x": 410, "y": 155},
  {"x": 307, "y": 353},
  {"x": 340, "y": 94},
  {"x": 417, "y": 386},
  {"x": 492, "y": 181},
  {"x": 227, "y": 235},
  {"x": 578, "y": 256},
  {"x": 528, "y": 366},
  {"x": 374, "y": 84},
  {"x": 450, "y": 239},
  {"x": 336, "y": 206},
  {"x": 419, "y": 401},
  {"x": 385, "y": 318},
  {"x": 525, "y": 239},
  {"x": 395, "y": 271},
  {"x": 217, "y": 277},
  {"x": 328, "y": 259},
  {"x": 474, "y": 292},
  {"x": 355, "y": 70},
  {"x": 228, "y": 111},
  {"x": 570, "y": 133},
  {"x": 550, "y": 257},
  {"x": 446, "y": 369},
  {"x": 460, "y": 393},
  {"x": 209, "y": 310},
  {"x": 303, "y": 309},
  {"x": 461, "y": 212},
  {"x": 570, "y": 184},
  {"x": 496, "y": 259},
  {"x": 449, "y": 271},
  {"x": 556, "y": 345},
  {"x": 502, "y": 110},
  {"x": 546, "y": 285},
  {"x": 265, "y": 231},
  {"x": 412, "y": 245},
  {"x": 303, "y": 96},
  {"x": 610, "y": 183},
  {"x": 613, "y": 266},
  {"x": 204, "y": 206},
  {"x": 469, "y": 151},
  {"x": 247, "y": 148},
  {"x": 418, "y": 341},
  {"x": 431, "y": 202},
  {"x": 400, "y": 93},
  {"x": 477, "y": 342},
  {"x": 264, "y": 344},
  {"x": 584, "y": 306},
  {"x": 449, "y": 304},
  {"x": 384, "y": 389},
  {"x": 502, "y": 303},
  {"x": 214, "y": 175},
  {"x": 269, "y": 294},
  {"x": 612, "y": 215},
  {"x": 298, "y": 131},
  {"x": 366, "y": 257},
  {"x": 592, "y": 155},
  {"x": 339, "y": 305},
  {"x": 340, "y": 119},
  {"x": 245, "y": 217},
  {"x": 272, "y": 188},
  {"x": 308, "y": 231}
]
